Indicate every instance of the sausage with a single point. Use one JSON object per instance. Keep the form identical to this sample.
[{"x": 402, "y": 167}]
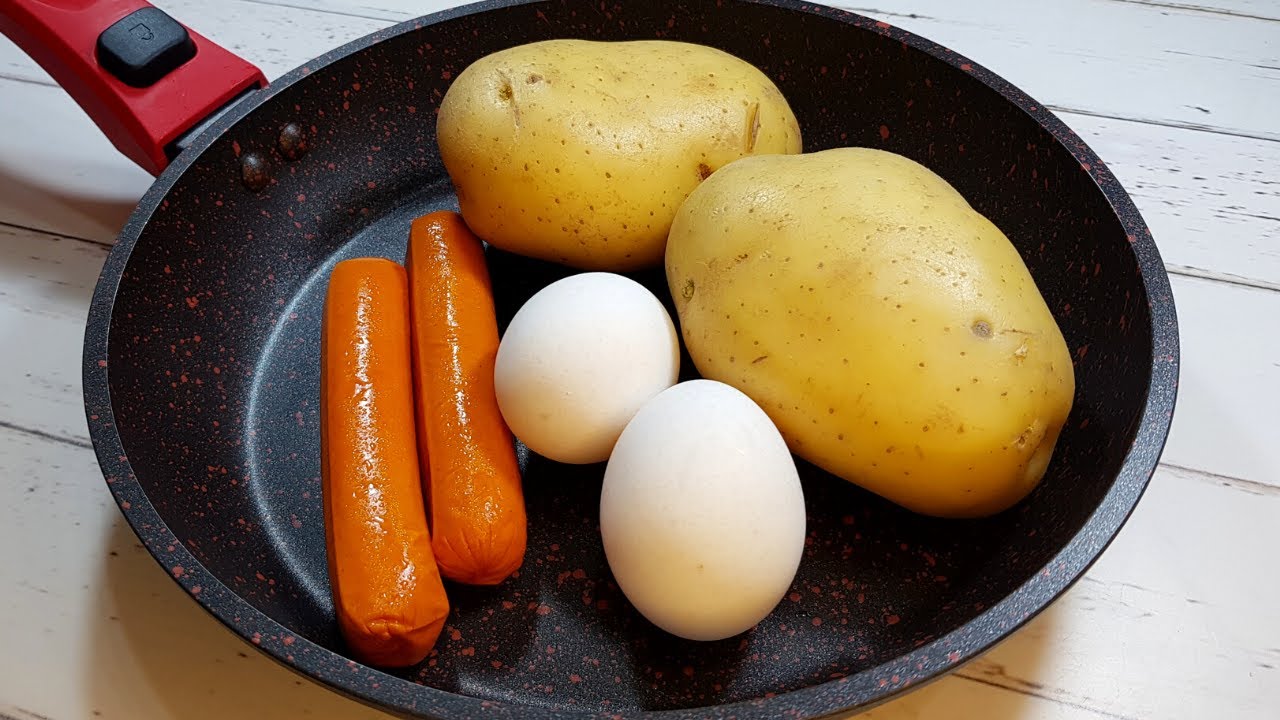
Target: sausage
[
  {"x": 387, "y": 590},
  {"x": 470, "y": 475}
]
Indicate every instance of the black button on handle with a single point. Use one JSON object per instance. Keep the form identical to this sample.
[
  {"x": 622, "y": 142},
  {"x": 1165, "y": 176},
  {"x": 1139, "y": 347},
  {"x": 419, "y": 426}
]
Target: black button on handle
[{"x": 144, "y": 46}]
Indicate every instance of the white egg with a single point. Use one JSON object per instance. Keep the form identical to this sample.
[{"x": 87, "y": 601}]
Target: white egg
[
  {"x": 702, "y": 513},
  {"x": 578, "y": 360}
]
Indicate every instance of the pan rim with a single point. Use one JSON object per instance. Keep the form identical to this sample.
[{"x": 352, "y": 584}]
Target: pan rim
[{"x": 861, "y": 691}]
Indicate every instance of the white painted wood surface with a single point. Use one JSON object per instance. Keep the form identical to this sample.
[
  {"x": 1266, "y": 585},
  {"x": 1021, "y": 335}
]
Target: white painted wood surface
[{"x": 1176, "y": 620}]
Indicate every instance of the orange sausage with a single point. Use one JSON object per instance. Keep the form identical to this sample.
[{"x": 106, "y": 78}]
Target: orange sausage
[
  {"x": 472, "y": 482},
  {"x": 387, "y": 590}
]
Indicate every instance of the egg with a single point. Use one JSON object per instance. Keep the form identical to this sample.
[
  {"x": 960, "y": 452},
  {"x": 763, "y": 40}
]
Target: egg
[
  {"x": 578, "y": 360},
  {"x": 701, "y": 512}
]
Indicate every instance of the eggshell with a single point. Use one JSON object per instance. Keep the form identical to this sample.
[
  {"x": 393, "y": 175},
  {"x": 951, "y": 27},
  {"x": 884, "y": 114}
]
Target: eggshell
[
  {"x": 702, "y": 512},
  {"x": 578, "y": 359}
]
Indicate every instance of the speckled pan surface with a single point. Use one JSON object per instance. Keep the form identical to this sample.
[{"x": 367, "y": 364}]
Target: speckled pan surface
[{"x": 201, "y": 379}]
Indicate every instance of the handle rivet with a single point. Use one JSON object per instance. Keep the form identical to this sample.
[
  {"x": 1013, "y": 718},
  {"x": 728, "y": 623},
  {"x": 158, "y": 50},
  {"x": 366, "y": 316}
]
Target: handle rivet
[
  {"x": 254, "y": 171},
  {"x": 293, "y": 142}
]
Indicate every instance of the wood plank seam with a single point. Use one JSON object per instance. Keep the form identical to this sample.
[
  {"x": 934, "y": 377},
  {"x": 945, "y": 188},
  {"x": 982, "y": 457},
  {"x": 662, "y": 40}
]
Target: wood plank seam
[
  {"x": 23, "y": 714},
  {"x": 1189, "y": 7},
  {"x": 1040, "y": 695},
  {"x": 27, "y": 80},
  {"x": 1253, "y": 487},
  {"x": 866, "y": 11},
  {"x": 1215, "y": 276},
  {"x": 1178, "y": 124},
  {"x": 44, "y": 435},
  {"x": 56, "y": 236},
  {"x": 389, "y": 16}
]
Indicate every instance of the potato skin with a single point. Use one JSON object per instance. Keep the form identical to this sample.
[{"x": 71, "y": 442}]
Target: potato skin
[
  {"x": 580, "y": 152},
  {"x": 892, "y": 332}
]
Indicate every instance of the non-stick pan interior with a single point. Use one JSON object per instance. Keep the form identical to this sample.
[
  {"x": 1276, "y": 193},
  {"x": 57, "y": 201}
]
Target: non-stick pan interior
[{"x": 215, "y": 333}]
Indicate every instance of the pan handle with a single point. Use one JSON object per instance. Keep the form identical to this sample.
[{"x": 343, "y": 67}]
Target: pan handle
[{"x": 142, "y": 77}]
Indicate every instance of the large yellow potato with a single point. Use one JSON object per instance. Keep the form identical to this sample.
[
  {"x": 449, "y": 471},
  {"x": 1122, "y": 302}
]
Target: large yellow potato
[
  {"x": 580, "y": 151},
  {"x": 893, "y": 333}
]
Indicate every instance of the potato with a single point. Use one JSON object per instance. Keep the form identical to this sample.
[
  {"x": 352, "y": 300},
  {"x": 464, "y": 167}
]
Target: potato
[
  {"x": 580, "y": 151},
  {"x": 892, "y": 332}
]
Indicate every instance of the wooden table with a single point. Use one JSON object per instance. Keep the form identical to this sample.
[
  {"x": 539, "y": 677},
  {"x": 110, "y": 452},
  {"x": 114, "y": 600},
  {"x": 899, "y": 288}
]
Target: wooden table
[{"x": 1178, "y": 619}]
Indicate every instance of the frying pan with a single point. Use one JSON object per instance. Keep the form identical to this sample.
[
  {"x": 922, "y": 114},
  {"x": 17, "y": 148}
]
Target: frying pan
[{"x": 201, "y": 357}]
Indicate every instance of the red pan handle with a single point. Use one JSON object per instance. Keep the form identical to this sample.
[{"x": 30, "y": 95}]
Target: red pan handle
[{"x": 141, "y": 76}]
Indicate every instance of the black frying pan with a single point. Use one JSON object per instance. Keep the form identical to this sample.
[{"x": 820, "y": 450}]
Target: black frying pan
[{"x": 201, "y": 352}]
